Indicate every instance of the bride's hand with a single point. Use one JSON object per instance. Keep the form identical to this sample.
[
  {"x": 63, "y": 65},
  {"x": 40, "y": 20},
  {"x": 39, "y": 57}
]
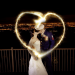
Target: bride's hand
[
  {"x": 33, "y": 47},
  {"x": 35, "y": 57}
]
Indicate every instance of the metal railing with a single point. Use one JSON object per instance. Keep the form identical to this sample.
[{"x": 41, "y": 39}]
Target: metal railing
[{"x": 17, "y": 60}]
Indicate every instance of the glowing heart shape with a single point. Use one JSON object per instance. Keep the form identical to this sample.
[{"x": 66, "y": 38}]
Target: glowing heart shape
[{"x": 38, "y": 22}]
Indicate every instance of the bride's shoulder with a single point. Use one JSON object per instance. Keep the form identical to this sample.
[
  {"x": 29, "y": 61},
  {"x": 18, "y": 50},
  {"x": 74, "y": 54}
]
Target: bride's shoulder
[{"x": 32, "y": 39}]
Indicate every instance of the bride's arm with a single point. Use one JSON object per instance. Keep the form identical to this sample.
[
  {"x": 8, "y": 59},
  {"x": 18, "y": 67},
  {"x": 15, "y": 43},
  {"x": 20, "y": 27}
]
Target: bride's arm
[
  {"x": 31, "y": 52},
  {"x": 30, "y": 44}
]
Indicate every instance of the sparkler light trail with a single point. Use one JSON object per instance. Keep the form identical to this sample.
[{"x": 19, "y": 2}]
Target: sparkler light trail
[
  {"x": 17, "y": 32},
  {"x": 42, "y": 18},
  {"x": 62, "y": 36}
]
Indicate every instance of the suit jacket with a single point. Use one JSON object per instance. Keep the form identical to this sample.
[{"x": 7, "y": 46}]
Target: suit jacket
[{"x": 46, "y": 45}]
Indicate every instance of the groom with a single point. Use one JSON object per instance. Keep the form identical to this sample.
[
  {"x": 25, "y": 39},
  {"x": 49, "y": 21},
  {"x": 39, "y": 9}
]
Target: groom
[{"x": 47, "y": 42}]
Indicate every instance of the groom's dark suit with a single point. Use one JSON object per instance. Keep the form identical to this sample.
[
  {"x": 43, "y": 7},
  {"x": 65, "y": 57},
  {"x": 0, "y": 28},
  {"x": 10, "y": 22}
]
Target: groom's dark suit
[{"x": 46, "y": 45}]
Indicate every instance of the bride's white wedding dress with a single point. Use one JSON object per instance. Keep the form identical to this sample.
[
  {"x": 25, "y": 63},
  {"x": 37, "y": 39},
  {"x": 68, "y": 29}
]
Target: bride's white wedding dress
[{"x": 36, "y": 67}]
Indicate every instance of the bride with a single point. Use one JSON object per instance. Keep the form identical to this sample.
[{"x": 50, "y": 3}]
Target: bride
[{"x": 36, "y": 66}]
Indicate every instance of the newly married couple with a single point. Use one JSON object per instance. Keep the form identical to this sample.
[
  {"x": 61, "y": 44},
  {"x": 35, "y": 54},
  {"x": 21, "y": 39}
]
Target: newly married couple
[{"x": 43, "y": 43}]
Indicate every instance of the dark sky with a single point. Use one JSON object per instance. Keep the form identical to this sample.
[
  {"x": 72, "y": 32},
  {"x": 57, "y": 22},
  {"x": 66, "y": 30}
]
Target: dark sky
[
  {"x": 12, "y": 9},
  {"x": 9, "y": 10}
]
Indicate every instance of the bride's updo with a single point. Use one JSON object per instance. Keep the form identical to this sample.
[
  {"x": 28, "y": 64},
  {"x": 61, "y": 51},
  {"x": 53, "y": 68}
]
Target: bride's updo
[{"x": 32, "y": 31}]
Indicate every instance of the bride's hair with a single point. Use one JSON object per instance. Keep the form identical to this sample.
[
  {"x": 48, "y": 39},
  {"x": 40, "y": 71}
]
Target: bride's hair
[{"x": 31, "y": 32}]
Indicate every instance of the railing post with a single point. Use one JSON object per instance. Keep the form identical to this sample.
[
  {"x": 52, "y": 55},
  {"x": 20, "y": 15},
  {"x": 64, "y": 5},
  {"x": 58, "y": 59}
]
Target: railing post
[{"x": 12, "y": 59}]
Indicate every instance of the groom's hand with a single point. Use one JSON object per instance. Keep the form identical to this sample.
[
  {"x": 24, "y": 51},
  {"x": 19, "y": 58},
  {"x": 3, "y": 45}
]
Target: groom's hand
[{"x": 46, "y": 38}]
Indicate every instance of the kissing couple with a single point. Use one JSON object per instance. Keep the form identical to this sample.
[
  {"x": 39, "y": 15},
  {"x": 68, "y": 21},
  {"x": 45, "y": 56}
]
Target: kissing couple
[{"x": 44, "y": 42}]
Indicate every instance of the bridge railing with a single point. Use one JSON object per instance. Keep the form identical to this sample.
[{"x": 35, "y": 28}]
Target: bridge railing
[{"x": 17, "y": 60}]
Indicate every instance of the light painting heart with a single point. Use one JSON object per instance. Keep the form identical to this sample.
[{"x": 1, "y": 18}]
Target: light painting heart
[{"x": 42, "y": 18}]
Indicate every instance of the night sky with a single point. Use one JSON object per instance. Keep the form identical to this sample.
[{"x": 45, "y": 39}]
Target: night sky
[
  {"x": 13, "y": 8},
  {"x": 10, "y": 10}
]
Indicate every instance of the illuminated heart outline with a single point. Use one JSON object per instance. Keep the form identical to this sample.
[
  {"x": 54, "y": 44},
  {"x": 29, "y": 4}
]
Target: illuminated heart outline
[{"x": 41, "y": 19}]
